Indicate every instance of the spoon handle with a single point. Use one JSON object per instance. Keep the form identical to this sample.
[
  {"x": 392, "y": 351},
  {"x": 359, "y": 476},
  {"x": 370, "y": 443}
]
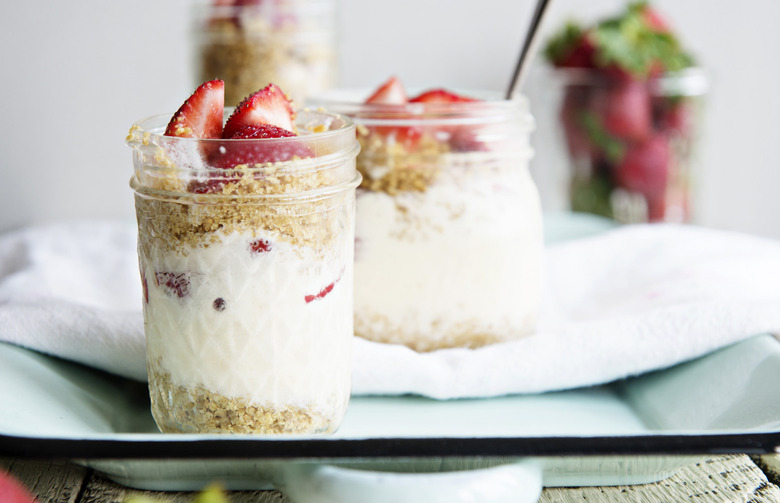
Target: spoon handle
[{"x": 529, "y": 43}]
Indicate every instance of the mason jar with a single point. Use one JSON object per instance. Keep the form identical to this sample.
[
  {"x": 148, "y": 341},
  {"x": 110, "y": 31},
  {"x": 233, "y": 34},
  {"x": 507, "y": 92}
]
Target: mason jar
[
  {"x": 247, "y": 277},
  {"x": 291, "y": 43},
  {"x": 630, "y": 144},
  {"x": 448, "y": 249}
]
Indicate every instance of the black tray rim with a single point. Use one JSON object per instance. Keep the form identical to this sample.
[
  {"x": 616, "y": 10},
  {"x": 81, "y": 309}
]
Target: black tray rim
[{"x": 757, "y": 443}]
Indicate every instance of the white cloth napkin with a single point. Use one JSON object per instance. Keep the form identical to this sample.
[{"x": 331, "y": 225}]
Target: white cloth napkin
[{"x": 620, "y": 303}]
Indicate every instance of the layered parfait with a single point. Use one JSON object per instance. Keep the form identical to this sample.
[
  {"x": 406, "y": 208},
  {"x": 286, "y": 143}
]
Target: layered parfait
[
  {"x": 245, "y": 242},
  {"x": 449, "y": 233},
  {"x": 249, "y": 43}
]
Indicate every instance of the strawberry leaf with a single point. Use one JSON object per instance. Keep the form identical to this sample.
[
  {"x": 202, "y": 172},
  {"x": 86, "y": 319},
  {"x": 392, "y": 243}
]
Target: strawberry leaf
[
  {"x": 613, "y": 148},
  {"x": 634, "y": 42}
]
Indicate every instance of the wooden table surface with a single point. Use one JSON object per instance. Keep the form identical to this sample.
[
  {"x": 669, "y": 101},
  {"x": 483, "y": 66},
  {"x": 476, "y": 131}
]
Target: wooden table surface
[{"x": 726, "y": 478}]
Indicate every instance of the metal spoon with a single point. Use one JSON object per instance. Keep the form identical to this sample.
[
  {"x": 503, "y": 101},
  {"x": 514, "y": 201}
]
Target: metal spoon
[{"x": 530, "y": 42}]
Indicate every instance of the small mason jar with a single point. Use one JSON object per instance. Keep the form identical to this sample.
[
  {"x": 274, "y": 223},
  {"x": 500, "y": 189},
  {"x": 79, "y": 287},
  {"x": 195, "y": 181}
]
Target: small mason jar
[
  {"x": 630, "y": 143},
  {"x": 250, "y": 44},
  {"x": 247, "y": 277},
  {"x": 448, "y": 248}
]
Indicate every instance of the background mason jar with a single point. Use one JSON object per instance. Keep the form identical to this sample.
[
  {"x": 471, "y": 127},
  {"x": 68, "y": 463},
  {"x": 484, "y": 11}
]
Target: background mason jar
[
  {"x": 449, "y": 226},
  {"x": 291, "y": 43},
  {"x": 630, "y": 144}
]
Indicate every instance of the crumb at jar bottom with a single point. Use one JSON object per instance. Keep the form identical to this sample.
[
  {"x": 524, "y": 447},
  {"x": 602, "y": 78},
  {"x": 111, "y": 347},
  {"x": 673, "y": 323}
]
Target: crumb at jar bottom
[
  {"x": 178, "y": 409},
  {"x": 434, "y": 307},
  {"x": 438, "y": 334}
]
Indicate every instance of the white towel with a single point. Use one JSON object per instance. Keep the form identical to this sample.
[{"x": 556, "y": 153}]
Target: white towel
[
  {"x": 620, "y": 303},
  {"x": 73, "y": 290}
]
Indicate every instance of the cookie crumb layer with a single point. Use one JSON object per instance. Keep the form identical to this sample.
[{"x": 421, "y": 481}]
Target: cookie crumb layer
[
  {"x": 193, "y": 220},
  {"x": 178, "y": 409},
  {"x": 249, "y": 57}
]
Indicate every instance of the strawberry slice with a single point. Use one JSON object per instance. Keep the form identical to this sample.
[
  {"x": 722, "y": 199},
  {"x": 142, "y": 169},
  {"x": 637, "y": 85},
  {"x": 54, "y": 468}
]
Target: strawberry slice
[
  {"x": 440, "y": 96},
  {"x": 12, "y": 491},
  {"x": 462, "y": 138},
  {"x": 260, "y": 246},
  {"x": 255, "y": 152},
  {"x": 267, "y": 106},
  {"x": 201, "y": 114},
  {"x": 391, "y": 92},
  {"x": 177, "y": 284},
  {"x": 234, "y": 153},
  {"x": 322, "y": 293}
]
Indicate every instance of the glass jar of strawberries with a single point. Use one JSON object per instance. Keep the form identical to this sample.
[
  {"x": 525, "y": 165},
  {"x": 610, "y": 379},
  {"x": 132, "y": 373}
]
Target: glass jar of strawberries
[{"x": 628, "y": 114}]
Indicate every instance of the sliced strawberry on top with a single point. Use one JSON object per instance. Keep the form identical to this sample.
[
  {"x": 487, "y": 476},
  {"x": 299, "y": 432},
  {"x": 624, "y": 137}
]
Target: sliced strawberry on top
[
  {"x": 200, "y": 116},
  {"x": 391, "y": 92},
  {"x": 462, "y": 138},
  {"x": 231, "y": 154},
  {"x": 260, "y": 131},
  {"x": 440, "y": 96},
  {"x": 255, "y": 152},
  {"x": 266, "y": 106}
]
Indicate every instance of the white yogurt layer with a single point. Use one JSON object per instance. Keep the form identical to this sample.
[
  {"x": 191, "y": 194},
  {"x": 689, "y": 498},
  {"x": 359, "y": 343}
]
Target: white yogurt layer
[
  {"x": 272, "y": 326},
  {"x": 458, "y": 264}
]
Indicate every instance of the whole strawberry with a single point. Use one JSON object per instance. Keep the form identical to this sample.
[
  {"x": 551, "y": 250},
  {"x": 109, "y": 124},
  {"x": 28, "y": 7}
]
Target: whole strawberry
[
  {"x": 11, "y": 491},
  {"x": 625, "y": 109},
  {"x": 645, "y": 167}
]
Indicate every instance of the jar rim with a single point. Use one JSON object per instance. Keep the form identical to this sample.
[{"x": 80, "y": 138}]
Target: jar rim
[
  {"x": 692, "y": 81},
  {"x": 153, "y": 127},
  {"x": 160, "y": 159},
  {"x": 488, "y": 107}
]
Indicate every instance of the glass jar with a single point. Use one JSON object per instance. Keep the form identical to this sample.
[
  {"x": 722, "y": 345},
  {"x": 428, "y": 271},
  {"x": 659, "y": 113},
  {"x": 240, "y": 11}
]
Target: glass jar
[
  {"x": 291, "y": 43},
  {"x": 630, "y": 143},
  {"x": 247, "y": 278},
  {"x": 448, "y": 248}
]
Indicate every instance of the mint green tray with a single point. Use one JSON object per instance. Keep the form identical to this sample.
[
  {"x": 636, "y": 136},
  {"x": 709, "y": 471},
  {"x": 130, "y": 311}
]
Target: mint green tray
[
  {"x": 412, "y": 448},
  {"x": 633, "y": 431}
]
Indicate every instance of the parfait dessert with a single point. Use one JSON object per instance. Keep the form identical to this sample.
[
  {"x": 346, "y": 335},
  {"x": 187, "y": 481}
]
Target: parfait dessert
[
  {"x": 250, "y": 43},
  {"x": 245, "y": 243},
  {"x": 449, "y": 230},
  {"x": 628, "y": 116}
]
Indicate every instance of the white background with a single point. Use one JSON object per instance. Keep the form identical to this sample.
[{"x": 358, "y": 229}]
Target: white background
[{"x": 77, "y": 74}]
